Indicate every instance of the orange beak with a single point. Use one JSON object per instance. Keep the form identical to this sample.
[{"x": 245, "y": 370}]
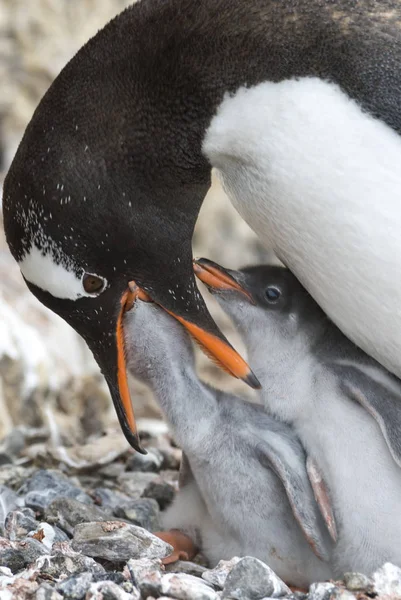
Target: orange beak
[
  {"x": 217, "y": 278},
  {"x": 127, "y": 302},
  {"x": 222, "y": 353}
]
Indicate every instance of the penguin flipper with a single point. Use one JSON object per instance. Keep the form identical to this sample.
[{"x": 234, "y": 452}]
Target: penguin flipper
[
  {"x": 185, "y": 476},
  {"x": 321, "y": 496},
  {"x": 379, "y": 392},
  {"x": 287, "y": 459}
]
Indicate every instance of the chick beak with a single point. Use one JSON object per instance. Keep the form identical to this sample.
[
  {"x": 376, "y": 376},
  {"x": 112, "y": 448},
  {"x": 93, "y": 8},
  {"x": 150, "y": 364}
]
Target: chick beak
[{"x": 216, "y": 278}]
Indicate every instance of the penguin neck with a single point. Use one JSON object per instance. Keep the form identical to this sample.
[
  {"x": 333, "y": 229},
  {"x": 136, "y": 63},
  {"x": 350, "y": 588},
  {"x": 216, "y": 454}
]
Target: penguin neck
[
  {"x": 285, "y": 369},
  {"x": 162, "y": 357},
  {"x": 187, "y": 403}
]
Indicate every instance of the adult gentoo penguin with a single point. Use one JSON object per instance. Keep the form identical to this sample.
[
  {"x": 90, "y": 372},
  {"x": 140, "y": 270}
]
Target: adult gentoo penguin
[{"x": 296, "y": 103}]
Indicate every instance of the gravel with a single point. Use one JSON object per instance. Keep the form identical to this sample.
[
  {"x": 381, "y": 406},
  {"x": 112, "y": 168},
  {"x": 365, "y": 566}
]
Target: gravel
[{"x": 87, "y": 534}]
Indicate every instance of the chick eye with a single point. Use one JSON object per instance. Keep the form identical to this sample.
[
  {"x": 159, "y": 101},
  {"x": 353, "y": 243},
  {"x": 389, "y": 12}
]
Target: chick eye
[
  {"x": 272, "y": 293},
  {"x": 92, "y": 283}
]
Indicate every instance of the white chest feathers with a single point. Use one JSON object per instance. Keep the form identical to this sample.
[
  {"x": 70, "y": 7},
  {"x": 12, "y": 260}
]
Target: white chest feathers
[{"x": 319, "y": 181}]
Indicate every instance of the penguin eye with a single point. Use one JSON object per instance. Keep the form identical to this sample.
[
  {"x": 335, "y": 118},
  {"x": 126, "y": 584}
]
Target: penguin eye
[
  {"x": 272, "y": 293},
  {"x": 92, "y": 283}
]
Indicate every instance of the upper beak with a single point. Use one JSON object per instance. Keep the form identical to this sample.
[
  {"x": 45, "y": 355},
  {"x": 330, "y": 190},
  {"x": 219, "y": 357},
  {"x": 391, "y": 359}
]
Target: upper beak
[{"x": 217, "y": 278}]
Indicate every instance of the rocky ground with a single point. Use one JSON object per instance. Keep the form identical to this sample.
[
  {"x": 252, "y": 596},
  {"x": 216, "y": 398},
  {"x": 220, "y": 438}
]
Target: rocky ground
[{"x": 77, "y": 523}]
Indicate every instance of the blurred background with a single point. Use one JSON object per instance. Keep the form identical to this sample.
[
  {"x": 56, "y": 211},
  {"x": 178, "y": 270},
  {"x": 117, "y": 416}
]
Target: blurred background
[{"x": 48, "y": 379}]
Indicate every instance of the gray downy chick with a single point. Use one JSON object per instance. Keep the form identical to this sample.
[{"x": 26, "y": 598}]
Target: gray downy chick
[
  {"x": 244, "y": 485},
  {"x": 344, "y": 406}
]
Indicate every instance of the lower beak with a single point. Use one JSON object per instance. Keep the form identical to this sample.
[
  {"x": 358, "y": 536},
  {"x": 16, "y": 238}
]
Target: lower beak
[
  {"x": 221, "y": 352},
  {"x": 121, "y": 396},
  {"x": 216, "y": 278}
]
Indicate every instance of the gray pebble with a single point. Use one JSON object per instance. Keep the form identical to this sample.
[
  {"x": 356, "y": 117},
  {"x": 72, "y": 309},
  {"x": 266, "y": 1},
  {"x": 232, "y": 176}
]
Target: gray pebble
[
  {"x": 76, "y": 586},
  {"x": 114, "y": 576},
  {"x": 109, "y": 500},
  {"x": 218, "y": 575},
  {"x": 341, "y": 594},
  {"x": 321, "y": 591},
  {"x": 188, "y": 567},
  {"x": 186, "y": 587},
  {"x": 117, "y": 541},
  {"x": 143, "y": 512},
  {"x": 65, "y": 561},
  {"x": 47, "y": 592},
  {"x": 162, "y": 491},
  {"x": 135, "y": 483},
  {"x": 19, "y": 523},
  {"x": 107, "y": 590},
  {"x": 14, "y": 476},
  {"x": 251, "y": 579},
  {"x": 111, "y": 471},
  {"x": 151, "y": 462},
  {"x": 14, "y": 442},
  {"x": 5, "y": 459},
  {"x": 387, "y": 580},
  {"x": 18, "y": 555},
  {"x": 68, "y": 513},
  {"x": 45, "y": 486},
  {"x": 146, "y": 574},
  {"x": 9, "y": 501},
  {"x": 358, "y": 582},
  {"x": 297, "y": 596}
]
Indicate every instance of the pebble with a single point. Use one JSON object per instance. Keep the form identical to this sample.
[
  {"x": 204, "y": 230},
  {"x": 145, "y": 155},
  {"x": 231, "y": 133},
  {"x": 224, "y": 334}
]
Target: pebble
[
  {"x": 171, "y": 457},
  {"x": 75, "y": 586},
  {"x": 109, "y": 500},
  {"x": 47, "y": 592},
  {"x": 321, "y": 591},
  {"x": 107, "y": 590},
  {"x": 188, "y": 567},
  {"x": 45, "y": 486},
  {"x": 162, "y": 491},
  {"x": 134, "y": 483},
  {"x": 114, "y": 540},
  {"x": 65, "y": 561},
  {"x": 387, "y": 581},
  {"x": 143, "y": 512},
  {"x": 341, "y": 594},
  {"x": 14, "y": 476},
  {"x": 19, "y": 523},
  {"x": 14, "y": 442},
  {"x": 218, "y": 575},
  {"x": 17, "y": 555},
  {"x": 358, "y": 582},
  {"x": 151, "y": 462},
  {"x": 251, "y": 579},
  {"x": 114, "y": 576},
  {"x": 146, "y": 574},
  {"x": 9, "y": 501},
  {"x": 68, "y": 513},
  {"x": 186, "y": 587}
]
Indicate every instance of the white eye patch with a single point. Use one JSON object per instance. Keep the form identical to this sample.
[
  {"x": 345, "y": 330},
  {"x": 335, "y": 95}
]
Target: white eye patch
[{"x": 61, "y": 282}]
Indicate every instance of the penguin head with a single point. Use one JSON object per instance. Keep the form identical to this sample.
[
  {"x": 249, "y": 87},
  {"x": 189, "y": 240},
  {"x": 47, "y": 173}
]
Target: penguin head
[
  {"x": 109, "y": 178},
  {"x": 266, "y": 303}
]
